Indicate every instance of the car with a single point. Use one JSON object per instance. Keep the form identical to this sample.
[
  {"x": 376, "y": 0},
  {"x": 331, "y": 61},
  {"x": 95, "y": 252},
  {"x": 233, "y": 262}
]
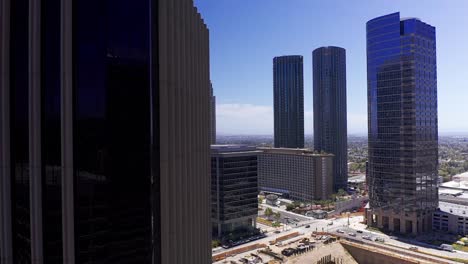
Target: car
[
  {"x": 288, "y": 252},
  {"x": 359, "y": 231},
  {"x": 277, "y": 232},
  {"x": 367, "y": 238},
  {"x": 413, "y": 248},
  {"x": 379, "y": 239},
  {"x": 330, "y": 223},
  {"x": 307, "y": 226},
  {"x": 340, "y": 231},
  {"x": 446, "y": 247},
  {"x": 351, "y": 234}
]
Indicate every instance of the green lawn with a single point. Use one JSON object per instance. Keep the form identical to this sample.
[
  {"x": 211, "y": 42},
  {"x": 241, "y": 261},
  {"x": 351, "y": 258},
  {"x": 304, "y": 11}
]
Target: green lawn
[{"x": 460, "y": 247}]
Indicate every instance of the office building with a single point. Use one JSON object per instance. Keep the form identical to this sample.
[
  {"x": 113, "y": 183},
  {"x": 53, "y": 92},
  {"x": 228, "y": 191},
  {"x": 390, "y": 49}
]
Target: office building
[
  {"x": 234, "y": 188},
  {"x": 104, "y": 132},
  {"x": 451, "y": 218},
  {"x": 297, "y": 174},
  {"x": 288, "y": 94},
  {"x": 330, "y": 125},
  {"x": 213, "y": 116},
  {"x": 402, "y": 116}
]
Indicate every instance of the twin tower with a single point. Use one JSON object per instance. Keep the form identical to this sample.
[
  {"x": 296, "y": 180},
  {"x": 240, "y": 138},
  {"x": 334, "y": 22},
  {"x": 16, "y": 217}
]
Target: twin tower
[{"x": 329, "y": 90}]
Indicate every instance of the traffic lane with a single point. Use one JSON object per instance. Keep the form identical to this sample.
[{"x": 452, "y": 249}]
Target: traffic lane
[{"x": 422, "y": 247}]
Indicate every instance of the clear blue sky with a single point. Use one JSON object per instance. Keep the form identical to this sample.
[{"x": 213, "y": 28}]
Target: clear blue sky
[{"x": 245, "y": 35}]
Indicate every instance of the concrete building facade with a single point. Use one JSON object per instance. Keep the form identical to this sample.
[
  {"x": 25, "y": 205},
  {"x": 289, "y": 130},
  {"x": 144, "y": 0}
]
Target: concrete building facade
[
  {"x": 451, "y": 218},
  {"x": 330, "y": 122},
  {"x": 234, "y": 188},
  {"x": 402, "y": 116},
  {"x": 299, "y": 174},
  {"x": 288, "y": 96},
  {"x": 104, "y": 132}
]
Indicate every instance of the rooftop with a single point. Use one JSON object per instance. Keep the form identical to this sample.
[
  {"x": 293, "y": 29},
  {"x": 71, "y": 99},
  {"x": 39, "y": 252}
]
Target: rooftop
[
  {"x": 455, "y": 209},
  {"x": 295, "y": 151},
  {"x": 233, "y": 149}
]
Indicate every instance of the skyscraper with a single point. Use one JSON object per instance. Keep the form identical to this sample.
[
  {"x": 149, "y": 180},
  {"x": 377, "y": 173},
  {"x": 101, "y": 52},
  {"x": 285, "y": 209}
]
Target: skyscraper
[
  {"x": 288, "y": 93},
  {"x": 330, "y": 126},
  {"x": 104, "y": 132},
  {"x": 213, "y": 115},
  {"x": 402, "y": 116}
]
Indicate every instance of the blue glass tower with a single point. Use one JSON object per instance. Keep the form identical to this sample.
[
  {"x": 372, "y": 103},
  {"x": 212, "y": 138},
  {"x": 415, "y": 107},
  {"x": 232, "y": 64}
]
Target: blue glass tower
[
  {"x": 288, "y": 89},
  {"x": 402, "y": 116}
]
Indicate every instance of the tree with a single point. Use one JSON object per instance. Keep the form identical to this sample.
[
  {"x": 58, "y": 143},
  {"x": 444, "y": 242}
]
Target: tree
[
  {"x": 277, "y": 216},
  {"x": 260, "y": 200},
  {"x": 215, "y": 243},
  {"x": 268, "y": 212},
  {"x": 290, "y": 207},
  {"x": 342, "y": 192}
]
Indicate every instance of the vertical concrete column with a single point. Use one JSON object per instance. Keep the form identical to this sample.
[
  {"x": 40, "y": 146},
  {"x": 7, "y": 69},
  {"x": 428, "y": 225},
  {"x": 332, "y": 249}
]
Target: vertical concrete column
[
  {"x": 163, "y": 71},
  {"x": 35, "y": 164},
  {"x": 402, "y": 225},
  {"x": 414, "y": 224},
  {"x": 6, "y": 249},
  {"x": 66, "y": 103},
  {"x": 379, "y": 221},
  {"x": 391, "y": 224},
  {"x": 369, "y": 218}
]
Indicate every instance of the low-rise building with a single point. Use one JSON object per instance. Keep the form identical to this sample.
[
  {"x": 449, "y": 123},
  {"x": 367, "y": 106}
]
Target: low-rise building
[
  {"x": 451, "y": 218},
  {"x": 234, "y": 188},
  {"x": 318, "y": 214},
  {"x": 298, "y": 174}
]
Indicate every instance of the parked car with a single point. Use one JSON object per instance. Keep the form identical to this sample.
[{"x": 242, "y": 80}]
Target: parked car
[
  {"x": 330, "y": 223},
  {"x": 367, "y": 238},
  {"x": 307, "y": 226},
  {"x": 340, "y": 231},
  {"x": 446, "y": 247},
  {"x": 359, "y": 231},
  {"x": 352, "y": 234}
]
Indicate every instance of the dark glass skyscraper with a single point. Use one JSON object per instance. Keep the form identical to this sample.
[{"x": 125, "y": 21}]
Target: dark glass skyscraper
[
  {"x": 288, "y": 93},
  {"x": 330, "y": 125},
  {"x": 402, "y": 116},
  {"x": 104, "y": 132}
]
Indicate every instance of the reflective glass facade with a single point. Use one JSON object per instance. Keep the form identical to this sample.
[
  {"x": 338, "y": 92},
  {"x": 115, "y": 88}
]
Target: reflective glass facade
[
  {"x": 19, "y": 132},
  {"x": 330, "y": 122},
  {"x": 104, "y": 154},
  {"x": 112, "y": 131},
  {"x": 402, "y": 109},
  {"x": 288, "y": 94},
  {"x": 234, "y": 190},
  {"x": 51, "y": 132}
]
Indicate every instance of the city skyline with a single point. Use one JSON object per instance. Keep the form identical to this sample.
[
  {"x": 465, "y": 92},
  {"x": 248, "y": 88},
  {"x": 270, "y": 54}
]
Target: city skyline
[{"x": 249, "y": 50}]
